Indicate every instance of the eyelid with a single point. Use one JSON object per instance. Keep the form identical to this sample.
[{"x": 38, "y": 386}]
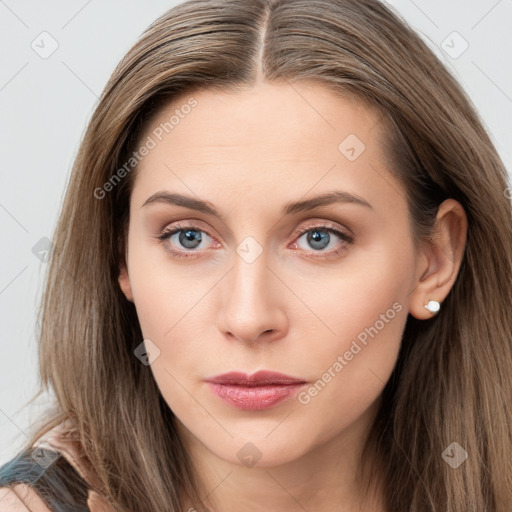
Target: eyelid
[
  {"x": 182, "y": 226},
  {"x": 325, "y": 225}
]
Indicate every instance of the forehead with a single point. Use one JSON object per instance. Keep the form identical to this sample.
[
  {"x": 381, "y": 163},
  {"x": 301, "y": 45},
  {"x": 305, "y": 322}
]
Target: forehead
[
  {"x": 291, "y": 134},
  {"x": 275, "y": 114}
]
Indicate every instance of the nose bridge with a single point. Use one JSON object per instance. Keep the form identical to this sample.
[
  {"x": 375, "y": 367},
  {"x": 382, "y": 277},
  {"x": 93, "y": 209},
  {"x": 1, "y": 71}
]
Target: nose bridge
[
  {"x": 250, "y": 280},
  {"x": 251, "y": 306}
]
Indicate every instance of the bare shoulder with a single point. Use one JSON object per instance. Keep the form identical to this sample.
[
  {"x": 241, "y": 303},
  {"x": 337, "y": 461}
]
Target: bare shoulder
[{"x": 20, "y": 498}]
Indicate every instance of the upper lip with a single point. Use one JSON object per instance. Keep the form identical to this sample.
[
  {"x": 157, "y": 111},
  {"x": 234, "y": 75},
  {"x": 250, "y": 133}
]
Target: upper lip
[{"x": 261, "y": 378}]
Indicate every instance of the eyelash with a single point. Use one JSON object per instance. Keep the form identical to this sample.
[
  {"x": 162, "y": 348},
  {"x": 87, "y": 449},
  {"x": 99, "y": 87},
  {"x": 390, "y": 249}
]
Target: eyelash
[{"x": 168, "y": 232}]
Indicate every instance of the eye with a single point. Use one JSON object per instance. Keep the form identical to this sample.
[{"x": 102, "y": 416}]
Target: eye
[
  {"x": 321, "y": 240},
  {"x": 181, "y": 240}
]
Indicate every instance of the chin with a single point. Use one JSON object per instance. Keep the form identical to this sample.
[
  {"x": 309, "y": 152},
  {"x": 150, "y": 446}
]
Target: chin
[{"x": 259, "y": 452}]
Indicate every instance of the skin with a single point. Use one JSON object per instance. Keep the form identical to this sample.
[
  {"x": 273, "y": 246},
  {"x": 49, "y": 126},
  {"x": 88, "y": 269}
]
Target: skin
[{"x": 248, "y": 154}]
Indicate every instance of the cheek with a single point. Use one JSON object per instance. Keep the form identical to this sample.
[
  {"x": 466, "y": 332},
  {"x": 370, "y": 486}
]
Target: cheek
[
  {"x": 363, "y": 315},
  {"x": 172, "y": 311},
  {"x": 165, "y": 293},
  {"x": 351, "y": 372},
  {"x": 367, "y": 290},
  {"x": 359, "y": 358}
]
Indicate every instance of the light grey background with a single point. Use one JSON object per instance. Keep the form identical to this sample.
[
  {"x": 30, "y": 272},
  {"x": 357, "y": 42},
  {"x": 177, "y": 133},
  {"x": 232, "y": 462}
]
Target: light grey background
[{"x": 45, "y": 104}]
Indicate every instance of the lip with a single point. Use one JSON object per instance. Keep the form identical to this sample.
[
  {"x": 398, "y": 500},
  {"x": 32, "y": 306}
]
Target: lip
[
  {"x": 261, "y": 378},
  {"x": 259, "y": 391}
]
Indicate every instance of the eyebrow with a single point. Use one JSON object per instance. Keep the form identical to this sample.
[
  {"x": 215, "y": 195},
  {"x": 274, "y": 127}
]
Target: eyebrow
[{"x": 329, "y": 198}]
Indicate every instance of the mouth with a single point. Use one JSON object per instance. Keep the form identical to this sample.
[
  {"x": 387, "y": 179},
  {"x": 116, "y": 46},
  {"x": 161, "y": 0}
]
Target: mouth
[{"x": 259, "y": 391}]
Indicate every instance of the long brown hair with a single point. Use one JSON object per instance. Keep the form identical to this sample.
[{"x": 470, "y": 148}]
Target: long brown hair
[{"x": 453, "y": 379}]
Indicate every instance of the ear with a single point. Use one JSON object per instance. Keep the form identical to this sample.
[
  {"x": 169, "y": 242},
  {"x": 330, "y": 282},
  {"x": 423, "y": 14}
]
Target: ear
[
  {"x": 124, "y": 282},
  {"x": 439, "y": 259}
]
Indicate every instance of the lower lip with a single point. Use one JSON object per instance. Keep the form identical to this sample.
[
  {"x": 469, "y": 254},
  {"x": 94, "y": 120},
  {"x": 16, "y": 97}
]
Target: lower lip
[{"x": 254, "y": 398}]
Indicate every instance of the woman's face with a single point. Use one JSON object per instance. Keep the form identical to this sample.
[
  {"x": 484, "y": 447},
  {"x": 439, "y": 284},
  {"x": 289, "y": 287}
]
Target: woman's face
[{"x": 281, "y": 278}]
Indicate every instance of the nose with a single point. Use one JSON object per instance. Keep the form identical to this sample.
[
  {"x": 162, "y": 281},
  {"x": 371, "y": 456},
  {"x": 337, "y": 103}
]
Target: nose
[{"x": 252, "y": 307}]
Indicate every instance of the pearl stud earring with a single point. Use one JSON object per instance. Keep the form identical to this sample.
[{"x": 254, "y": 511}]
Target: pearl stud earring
[{"x": 433, "y": 306}]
